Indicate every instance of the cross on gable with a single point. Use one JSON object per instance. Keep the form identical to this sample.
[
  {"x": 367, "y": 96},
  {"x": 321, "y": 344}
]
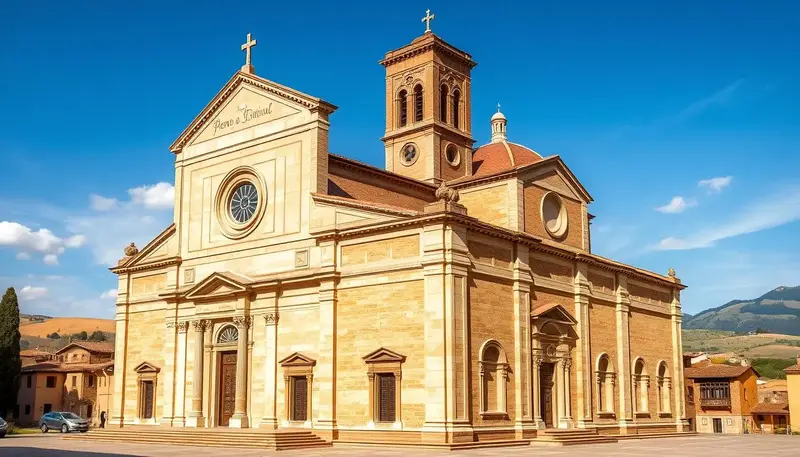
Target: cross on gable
[{"x": 250, "y": 43}]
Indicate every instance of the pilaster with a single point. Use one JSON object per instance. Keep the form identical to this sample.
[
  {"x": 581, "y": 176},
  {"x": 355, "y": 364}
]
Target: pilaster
[
  {"x": 270, "y": 417},
  {"x": 677, "y": 389},
  {"x": 623, "y": 353},
  {"x": 179, "y": 419},
  {"x": 583, "y": 356},
  {"x": 120, "y": 360},
  {"x": 168, "y": 370},
  {"x": 325, "y": 370},
  {"x": 523, "y": 403},
  {"x": 240, "y": 414},
  {"x": 195, "y": 417}
]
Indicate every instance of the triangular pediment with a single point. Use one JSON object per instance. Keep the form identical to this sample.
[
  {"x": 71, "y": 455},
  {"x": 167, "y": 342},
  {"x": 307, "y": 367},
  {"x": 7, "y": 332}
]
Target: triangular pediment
[
  {"x": 298, "y": 360},
  {"x": 244, "y": 102},
  {"x": 163, "y": 248},
  {"x": 554, "y": 312},
  {"x": 147, "y": 367},
  {"x": 384, "y": 355},
  {"x": 218, "y": 284},
  {"x": 553, "y": 174}
]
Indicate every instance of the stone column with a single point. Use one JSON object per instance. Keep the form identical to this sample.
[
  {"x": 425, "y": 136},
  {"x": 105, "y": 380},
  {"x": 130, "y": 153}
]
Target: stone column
[
  {"x": 117, "y": 408},
  {"x": 270, "y": 418},
  {"x": 179, "y": 419},
  {"x": 561, "y": 396},
  {"x": 537, "y": 392},
  {"x": 239, "y": 418},
  {"x": 583, "y": 356},
  {"x": 623, "y": 354},
  {"x": 195, "y": 418},
  {"x": 523, "y": 403},
  {"x": 568, "y": 391}
]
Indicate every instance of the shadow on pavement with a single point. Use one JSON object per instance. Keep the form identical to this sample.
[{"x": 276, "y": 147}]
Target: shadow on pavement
[{"x": 31, "y": 451}]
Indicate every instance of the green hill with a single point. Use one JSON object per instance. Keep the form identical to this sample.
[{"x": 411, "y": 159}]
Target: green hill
[{"x": 777, "y": 311}]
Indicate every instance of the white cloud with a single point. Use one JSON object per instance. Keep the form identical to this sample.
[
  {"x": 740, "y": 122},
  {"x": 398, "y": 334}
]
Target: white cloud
[
  {"x": 32, "y": 293},
  {"x": 676, "y": 205},
  {"x": 768, "y": 213},
  {"x": 25, "y": 240},
  {"x": 715, "y": 185},
  {"x": 100, "y": 203},
  {"x": 111, "y": 293},
  {"x": 157, "y": 196}
]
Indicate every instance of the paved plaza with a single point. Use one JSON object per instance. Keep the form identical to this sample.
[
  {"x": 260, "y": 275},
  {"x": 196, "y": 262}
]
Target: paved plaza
[{"x": 52, "y": 445}]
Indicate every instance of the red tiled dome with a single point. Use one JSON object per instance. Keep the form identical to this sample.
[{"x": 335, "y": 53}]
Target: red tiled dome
[{"x": 501, "y": 156}]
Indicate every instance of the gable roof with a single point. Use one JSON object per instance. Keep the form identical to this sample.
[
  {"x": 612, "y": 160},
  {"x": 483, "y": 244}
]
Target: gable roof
[
  {"x": 555, "y": 312},
  {"x": 238, "y": 79},
  {"x": 218, "y": 284},
  {"x": 771, "y": 408},
  {"x": 147, "y": 367},
  {"x": 794, "y": 369},
  {"x": 718, "y": 370},
  {"x": 95, "y": 347},
  {"x": 155, "y": 243},
  {"x": 57, "y": 367}
]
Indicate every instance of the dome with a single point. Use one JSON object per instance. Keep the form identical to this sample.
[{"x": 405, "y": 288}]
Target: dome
[
  {"x": 501, "y": 156},
  {"x": 498, "y": 116}
]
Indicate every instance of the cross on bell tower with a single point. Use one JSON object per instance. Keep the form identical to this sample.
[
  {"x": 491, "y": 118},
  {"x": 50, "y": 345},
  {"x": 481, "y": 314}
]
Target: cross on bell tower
[
  {"x": 248, "y": 67},
  {"x": 427, "y": 20}
]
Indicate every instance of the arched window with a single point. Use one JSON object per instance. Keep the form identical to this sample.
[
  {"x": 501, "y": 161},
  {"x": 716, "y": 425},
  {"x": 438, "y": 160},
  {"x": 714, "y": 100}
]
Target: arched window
[
  {"x": 228, "y": 334},
  {"x": 641, "y": 386},
  {"x": 605, "y": 385},
  {"x": 403, "y": 108},
  {"x": 664, "y": 384},
  {"x": 443, "y": 103},
  {"x": 493, "y": 368},
  {"x": 456, "y": 102},
  {"x": 417, "y": 103}
]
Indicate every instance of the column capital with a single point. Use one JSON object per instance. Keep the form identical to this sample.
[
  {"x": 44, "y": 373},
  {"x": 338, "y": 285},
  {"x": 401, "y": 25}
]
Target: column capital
[
  {"x": 271, "y": 318},
  {"x": 182, "y": 326},
  {"x": 201, "y": 325},
  {"x": 241, "y": 322}
]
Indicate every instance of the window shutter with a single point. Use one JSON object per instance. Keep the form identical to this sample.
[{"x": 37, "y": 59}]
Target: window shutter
[{"x": 387, "y": 398}]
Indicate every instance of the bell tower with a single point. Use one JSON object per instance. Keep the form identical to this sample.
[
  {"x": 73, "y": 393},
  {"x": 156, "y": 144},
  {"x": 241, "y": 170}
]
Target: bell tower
[{"x": 428, "y": 116}]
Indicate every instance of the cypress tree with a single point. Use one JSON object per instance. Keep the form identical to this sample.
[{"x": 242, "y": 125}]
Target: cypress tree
[{"x": 10, "y": 361}]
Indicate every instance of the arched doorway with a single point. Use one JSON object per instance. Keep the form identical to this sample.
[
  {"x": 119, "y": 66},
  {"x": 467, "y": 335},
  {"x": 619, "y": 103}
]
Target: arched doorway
[{"x": 553, "y": 339}]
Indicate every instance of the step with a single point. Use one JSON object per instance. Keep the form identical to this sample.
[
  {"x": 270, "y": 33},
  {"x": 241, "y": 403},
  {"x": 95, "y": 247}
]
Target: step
[
  {"x": 645, "y": 436},
  {"x": 182, "y": 437}
]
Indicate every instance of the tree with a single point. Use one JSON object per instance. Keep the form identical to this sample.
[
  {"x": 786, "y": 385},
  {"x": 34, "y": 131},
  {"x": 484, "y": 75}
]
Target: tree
[
  {"x": 54, "y": 336},
  {"x": 82, "y": 336},
  {"x": 10, "y": 361},
  {"x": 97, "y": 335}
]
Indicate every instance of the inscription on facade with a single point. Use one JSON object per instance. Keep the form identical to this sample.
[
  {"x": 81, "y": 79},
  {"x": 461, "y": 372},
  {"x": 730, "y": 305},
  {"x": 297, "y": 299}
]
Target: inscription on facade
[{"x": 244, "y": 115}]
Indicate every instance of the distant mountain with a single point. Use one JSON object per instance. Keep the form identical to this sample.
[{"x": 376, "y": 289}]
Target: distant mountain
[{"x": 777, "y": 311}]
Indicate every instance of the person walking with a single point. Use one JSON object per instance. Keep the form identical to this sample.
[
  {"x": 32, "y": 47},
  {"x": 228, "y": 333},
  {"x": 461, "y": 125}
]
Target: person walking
[{"x": 102, "y": 419}]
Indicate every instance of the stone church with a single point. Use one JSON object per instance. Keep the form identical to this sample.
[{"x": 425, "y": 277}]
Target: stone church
[{"x": 450, "y": 298}]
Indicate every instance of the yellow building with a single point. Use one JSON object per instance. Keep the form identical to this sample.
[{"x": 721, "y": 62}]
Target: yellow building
[
  {"x": 77, "y": 378},
  {"x": 793, "y": 386},
  {"x": 449, "y": 298}
]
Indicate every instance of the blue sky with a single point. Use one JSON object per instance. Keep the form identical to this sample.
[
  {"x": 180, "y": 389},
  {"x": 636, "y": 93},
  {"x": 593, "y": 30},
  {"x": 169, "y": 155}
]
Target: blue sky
[{"x": 679, "y": 117}]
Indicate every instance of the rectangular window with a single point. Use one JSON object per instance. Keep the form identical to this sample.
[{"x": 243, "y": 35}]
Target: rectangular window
[
  {"x": 90, "y": 381},
  {"x": 29, "y": 381},
  {"x": 715, "y": 394},
  {"x": 299, "y": 398},
  {"x": 27, "y": 410},
  {"x": 690, "y": 395},
  {"x": 74, "y": 381},
  {"x": 51, "y": 382},
  {"x": 386, "y": 397},
  {"x": 47, "y": 408}
]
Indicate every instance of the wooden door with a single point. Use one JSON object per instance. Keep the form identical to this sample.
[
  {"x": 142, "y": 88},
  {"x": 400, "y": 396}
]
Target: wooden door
[
  {"x": 227, "y": 387},
  {"x": 717, "y": 425},
  {"x": 148, "y": 393},
  {"x": 546, "y": 383},
  {"x": 300, "y": 400}
]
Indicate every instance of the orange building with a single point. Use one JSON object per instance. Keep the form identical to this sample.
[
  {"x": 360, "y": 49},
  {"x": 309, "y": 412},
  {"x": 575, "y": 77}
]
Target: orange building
[
  {"x": 77, "y": 378},
  {"x": 722, "y": 397}
]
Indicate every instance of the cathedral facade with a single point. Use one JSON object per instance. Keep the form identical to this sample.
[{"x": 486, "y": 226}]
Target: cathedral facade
[{"x": 449, "y": 298}]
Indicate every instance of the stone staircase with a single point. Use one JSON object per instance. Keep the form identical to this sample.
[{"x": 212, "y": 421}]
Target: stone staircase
[
  {"x": 233, "y": 438},
  {"x": 571, "y": 437},
  {"x": 645, "y": 436}
]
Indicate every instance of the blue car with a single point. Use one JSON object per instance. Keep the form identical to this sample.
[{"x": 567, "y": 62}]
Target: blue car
[
  {"x": 3, "y": 428},
  {"x": 64, "y": 421}
]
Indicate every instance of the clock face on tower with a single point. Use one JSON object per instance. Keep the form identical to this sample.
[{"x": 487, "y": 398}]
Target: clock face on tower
[{"x": 244, "y": 202}]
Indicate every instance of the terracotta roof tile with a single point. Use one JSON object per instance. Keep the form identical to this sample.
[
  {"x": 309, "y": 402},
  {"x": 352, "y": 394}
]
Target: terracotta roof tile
[
  {"x": 717, "y": 371},
  {"x": 55, "y": 367},
  {"x": 794, "y": 369},
  {"x": 771, "y": 408},
  {"x": 101, "y": 347}
]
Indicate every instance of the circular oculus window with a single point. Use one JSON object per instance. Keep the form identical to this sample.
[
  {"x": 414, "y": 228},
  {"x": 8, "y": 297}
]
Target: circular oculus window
[
  {"x": 554, "y": 215},
  {"x": 240, "y": 202},
  {"x": 409, "y": 154},
  {"x": 451, "y": 155}
]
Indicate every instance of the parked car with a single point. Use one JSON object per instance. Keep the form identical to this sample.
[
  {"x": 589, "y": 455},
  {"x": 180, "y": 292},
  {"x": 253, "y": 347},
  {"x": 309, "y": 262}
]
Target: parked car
[
  {"x": 64, "y": 421},
  {"x": 3, "y": 428}
]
